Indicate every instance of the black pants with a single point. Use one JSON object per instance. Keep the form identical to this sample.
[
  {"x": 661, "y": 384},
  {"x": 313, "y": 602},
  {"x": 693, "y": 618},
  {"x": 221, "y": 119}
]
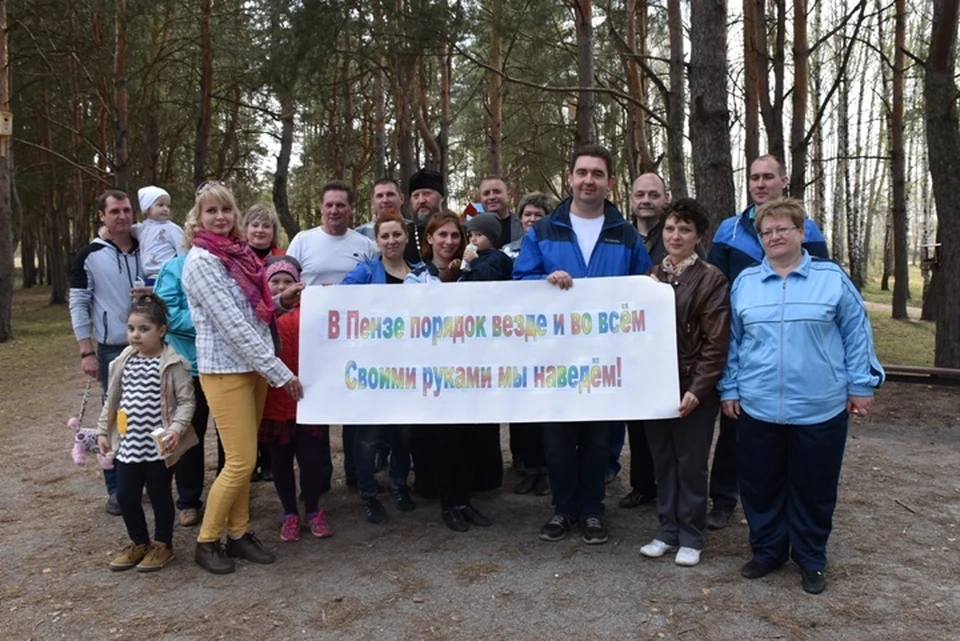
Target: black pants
[
  {"x": 131, "y": 478},
  {"x": 455, "y": 451},
  {"x": 189, "y": 469},
  {"x": 528, "y": 440},
  {"x": 309, "y": 450},
  {"x": 724, "y": 489},
  {"x": 681, "y": 452},
  {"x": 642, "y": 478}
]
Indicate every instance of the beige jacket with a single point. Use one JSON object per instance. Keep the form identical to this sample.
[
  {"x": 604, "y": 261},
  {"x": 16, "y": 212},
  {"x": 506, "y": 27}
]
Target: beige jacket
[{"x": 176, "y": 400}]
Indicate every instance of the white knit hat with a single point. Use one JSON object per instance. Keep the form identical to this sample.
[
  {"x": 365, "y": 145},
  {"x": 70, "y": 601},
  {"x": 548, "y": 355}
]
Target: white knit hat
[{"x": 148, "y": 195}]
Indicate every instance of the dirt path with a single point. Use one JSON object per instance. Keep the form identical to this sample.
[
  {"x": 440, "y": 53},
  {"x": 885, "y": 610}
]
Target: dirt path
[
  {"x": 893, "y": 555},
  {"x": 912, "y": 312}
]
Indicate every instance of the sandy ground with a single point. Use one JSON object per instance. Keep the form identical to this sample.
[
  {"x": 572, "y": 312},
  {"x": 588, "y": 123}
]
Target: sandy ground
[{"x": 893, "y": 555}]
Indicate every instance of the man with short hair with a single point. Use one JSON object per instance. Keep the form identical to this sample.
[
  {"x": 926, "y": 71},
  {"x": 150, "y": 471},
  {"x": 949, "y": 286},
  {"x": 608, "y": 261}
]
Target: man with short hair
[
  {"x": 329, "y": 252},
  {"x": 649, "y": 198},
  {"x": 426, "y": 191},
  {"x": 735, "y": 247},
  {"x": 103, "y": 279},
  {"x": 495, "y": 198},
  {"x": 387, "y": 194},
  {"x": 585, "y": 237}
]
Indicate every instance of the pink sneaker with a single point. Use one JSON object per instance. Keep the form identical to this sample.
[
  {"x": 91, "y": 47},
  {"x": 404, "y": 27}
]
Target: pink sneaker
[
  {"x": 318, "y": 525},
  {"x": 290, "y": 531}
]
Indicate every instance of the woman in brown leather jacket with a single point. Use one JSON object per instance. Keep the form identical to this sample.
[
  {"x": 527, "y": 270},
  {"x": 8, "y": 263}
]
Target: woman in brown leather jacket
[{"x": 680, "y": 447}]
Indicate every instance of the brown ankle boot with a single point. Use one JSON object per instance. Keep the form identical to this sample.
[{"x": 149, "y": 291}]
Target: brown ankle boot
[
  {"x": 249, "y": 547},
  {"x": 212, "y": 558}
]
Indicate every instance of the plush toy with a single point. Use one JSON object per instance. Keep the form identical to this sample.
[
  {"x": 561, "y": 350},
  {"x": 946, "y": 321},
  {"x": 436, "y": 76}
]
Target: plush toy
[{"x": 85, "y": 438}]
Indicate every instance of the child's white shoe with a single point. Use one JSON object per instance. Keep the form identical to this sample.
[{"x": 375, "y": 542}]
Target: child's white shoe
[
  {"x": 687, "y": 557},
  {"x": 656, "y": 548}
]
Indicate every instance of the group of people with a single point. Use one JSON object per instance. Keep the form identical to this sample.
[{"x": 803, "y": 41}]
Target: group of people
[{"x": 770, "y": 333}]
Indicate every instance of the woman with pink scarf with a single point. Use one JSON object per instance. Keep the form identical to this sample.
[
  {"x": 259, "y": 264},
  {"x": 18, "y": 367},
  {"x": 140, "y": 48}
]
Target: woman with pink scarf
[{"x": 233, "y": 314}]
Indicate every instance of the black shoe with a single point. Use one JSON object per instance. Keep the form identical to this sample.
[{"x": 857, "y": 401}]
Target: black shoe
[
  {"x": 373, "y": 510},
  {"x": 454, "y": 520},
  {"x": 526, "y": 483},
  {"x": 401, "y": 494},
  {"x": 542, "y": 486},
  {"x": 473, "y": 517},
  {"x": 212, "y": 558},
  {"x": 756, "y": 570},
  {"x": 250, "y": 548},
  {"x": 637, "y": 498},
  {"x": 813, "y": 581},
  {"x": 718, "y": 518},
  {"x": 267, "y": 475},
  {"x": 256, "y": 477},
  {"x": 594, "y": 531},
  {"x": 113, "y": 505},
  {"x": 556, "y": 528}
]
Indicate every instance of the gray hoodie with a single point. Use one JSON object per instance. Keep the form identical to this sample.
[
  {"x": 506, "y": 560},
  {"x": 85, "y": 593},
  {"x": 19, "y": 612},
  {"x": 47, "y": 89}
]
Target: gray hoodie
[{"x": 100, "y": 282}]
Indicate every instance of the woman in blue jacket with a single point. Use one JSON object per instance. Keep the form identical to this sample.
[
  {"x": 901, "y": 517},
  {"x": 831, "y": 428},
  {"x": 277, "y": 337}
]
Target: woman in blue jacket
[
  {"x": 390, "y": 232},
  {"x": 801, "y": 354}
]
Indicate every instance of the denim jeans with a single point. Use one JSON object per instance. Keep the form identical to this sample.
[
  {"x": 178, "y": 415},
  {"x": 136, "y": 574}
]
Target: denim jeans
[
  {"x": 105, "y": 355},
  {"x": 577, "y": 456}
]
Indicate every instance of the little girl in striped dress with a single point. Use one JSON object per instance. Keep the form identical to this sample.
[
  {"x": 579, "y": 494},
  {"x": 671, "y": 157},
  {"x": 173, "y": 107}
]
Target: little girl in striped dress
[{"x": 149, "y": 389}]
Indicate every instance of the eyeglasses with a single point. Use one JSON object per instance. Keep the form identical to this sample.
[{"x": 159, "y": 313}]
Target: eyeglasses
[
  {"x": 207, "y": 184},
  {"x": 778, "y": 231}
]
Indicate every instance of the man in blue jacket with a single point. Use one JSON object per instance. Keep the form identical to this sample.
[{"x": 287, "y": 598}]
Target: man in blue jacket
[
  {"x": 585, "y": 237},
  {"x": 736, "y": 246}
]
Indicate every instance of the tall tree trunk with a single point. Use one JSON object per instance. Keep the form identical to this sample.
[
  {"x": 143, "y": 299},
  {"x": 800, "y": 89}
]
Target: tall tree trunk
[
  {"x": 676, "y": 103},
  {"x": 641, "y": 156},
  {"x": 443, "y": 139},
  {"x": 798, "y": 123},
  {"x": 280, "y": 200},
  {"x": 901, "y": 284},
  {"x": 379, "y": 105},
  {"x": 943, "y": 149},
  {"x": 709, "y": 114},
  {"x": 204, "y": 117},
  {"x": 496, "y": 89},
  {"x": 818, "y": 166},
  {"x": 842, "y": 173},
  {"x": 120, "y": 97},
  {"x": 586, "y": 101},
  {"x": 6, "y": 210},
  {"x": 751, "y": 110}
]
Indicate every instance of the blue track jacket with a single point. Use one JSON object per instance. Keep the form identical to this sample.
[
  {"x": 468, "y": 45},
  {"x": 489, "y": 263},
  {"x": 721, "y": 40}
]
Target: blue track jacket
[
  {"x": 551, "y": 245},
  {"x": 372, "y": 272},
  {"x": 800, "y": 345},
  {"x": 736, "y": 244}
]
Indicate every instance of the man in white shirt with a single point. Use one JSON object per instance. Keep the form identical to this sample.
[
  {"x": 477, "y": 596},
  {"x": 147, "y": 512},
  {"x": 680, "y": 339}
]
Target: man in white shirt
[{"x": 329, "y": 252}]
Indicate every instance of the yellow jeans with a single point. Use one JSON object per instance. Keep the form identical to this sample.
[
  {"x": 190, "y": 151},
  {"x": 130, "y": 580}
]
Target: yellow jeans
[{"x": 236, "y": 403}]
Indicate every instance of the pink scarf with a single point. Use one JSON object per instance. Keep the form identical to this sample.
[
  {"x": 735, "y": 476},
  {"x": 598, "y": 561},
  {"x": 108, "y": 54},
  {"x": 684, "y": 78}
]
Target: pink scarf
[{"x": 244, "y": 267}]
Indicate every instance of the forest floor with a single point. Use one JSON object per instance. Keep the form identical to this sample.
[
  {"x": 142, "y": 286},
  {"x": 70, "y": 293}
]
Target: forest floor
[{"x": 892, "y": 573}]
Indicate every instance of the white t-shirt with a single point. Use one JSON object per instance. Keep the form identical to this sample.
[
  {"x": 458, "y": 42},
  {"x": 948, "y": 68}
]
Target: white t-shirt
[
  {"x": 587, "y": 231},
  {"x": 160, "y": 240},
  {"x": 326, "y": 259}
]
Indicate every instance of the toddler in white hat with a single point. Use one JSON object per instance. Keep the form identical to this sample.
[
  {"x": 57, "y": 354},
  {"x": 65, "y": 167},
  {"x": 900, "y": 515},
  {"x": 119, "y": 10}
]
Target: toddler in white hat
[{"x": 160, "y": 238}]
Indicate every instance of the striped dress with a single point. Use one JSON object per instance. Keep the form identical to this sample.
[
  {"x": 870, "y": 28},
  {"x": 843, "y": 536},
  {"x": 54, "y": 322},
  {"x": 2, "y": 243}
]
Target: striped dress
[{"x": 140, "y": 401}]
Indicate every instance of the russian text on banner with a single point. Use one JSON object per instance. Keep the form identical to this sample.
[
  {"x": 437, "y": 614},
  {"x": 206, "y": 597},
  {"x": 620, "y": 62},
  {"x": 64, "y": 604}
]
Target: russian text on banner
[{"x": 489, "y": 352}]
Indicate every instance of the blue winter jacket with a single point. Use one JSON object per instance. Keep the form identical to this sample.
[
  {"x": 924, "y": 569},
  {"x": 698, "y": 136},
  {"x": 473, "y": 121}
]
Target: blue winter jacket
[
  {"x": 551, "y": 245},
  {"x": 800, "y": 345},
  {"x": 372, "y": 272},
  {"x": 736, "y": 244},
  {"x": 180, "y": 332}
]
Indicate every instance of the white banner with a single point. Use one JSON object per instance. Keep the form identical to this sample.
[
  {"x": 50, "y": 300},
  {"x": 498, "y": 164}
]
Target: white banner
[{"x": 496, "y": 352}]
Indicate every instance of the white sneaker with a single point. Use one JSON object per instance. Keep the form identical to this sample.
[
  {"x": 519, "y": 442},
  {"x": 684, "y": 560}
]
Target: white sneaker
[
  {"x": 656, "y": 548},
  {"x": 687, "y": 557}
]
